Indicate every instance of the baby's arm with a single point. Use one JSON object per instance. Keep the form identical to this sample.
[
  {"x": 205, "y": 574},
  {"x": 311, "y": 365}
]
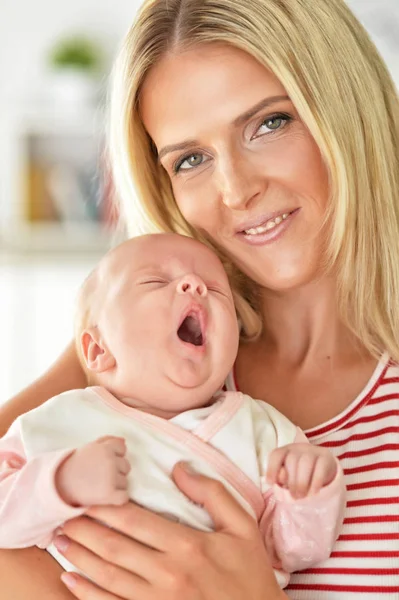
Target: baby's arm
[
  {"x": 30, "y": 507},
  {"x": 39, "y": 494},
  {"x": 305, "y": 505}
]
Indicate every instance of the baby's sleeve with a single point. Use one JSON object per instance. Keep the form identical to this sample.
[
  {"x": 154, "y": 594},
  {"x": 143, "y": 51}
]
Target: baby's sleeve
[
  {"x": 30, "y": 506},
  {"x": 298, "y": 533}
]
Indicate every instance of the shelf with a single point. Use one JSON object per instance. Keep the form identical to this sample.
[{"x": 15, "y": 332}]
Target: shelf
[
  {"x": 58, "y": 238},
  {"x": 48, "y": 120}
]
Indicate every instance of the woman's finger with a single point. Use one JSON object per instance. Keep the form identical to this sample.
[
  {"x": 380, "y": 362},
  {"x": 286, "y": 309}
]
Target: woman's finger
[
  {"x": 115, "y": 548},
  {"x": 108, "y": 576},
  {"x": 224, "y": 510},
  {"x": 142, "y": 525},
  {"x": 83, "y": 589}
]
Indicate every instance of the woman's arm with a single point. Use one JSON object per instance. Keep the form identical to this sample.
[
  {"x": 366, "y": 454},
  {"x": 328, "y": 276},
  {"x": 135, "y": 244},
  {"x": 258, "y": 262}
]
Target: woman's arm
[
  {"x": 65, "y": 374},
  {"x": 33, "y": 573}
]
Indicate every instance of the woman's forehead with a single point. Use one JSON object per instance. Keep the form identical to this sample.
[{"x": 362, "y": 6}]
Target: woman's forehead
[{"x": 191, "y": 92}]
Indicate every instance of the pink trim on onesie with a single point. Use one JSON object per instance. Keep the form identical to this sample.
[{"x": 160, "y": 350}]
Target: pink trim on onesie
[
  {"x": 220, "y": 417},
  {"x": 228, "y": 470}
]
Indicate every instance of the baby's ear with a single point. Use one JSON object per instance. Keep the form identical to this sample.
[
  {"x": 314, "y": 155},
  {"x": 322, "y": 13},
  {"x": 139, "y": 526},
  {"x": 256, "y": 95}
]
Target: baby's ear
[{"x": 95, "y": 352}]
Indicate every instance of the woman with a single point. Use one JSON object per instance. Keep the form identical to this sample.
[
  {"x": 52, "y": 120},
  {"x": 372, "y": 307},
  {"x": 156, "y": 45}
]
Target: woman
[{"x": 270, "y": 130}]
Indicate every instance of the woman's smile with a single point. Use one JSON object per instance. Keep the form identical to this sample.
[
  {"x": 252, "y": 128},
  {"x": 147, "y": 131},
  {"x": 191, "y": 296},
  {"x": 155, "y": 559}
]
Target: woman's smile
[{"x": 267, "y": 228}]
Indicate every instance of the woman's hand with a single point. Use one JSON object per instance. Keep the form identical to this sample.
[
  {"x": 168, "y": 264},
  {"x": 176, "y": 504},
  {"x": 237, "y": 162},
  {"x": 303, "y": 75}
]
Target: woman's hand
[{"x": 143, "y": 556}]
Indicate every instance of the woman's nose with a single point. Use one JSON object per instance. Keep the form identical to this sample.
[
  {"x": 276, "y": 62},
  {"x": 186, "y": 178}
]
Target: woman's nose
[
  {"x": 192, "y": 284},
  {"x": 239, "y": 185}
]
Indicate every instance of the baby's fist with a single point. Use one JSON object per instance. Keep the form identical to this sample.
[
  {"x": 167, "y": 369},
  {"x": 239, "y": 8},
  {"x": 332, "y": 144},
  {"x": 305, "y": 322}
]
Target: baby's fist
[
  {"x": 301, "y": 468},
  {"x": 95, "y": 474}
]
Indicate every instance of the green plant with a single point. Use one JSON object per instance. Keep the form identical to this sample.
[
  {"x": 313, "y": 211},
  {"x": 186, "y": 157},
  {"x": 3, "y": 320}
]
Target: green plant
[{"x": 76, "y": 52}]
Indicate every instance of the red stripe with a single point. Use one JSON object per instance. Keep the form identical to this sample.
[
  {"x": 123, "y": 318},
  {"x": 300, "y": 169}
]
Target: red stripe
[
  {"x": 368, "y": 536},
  {"x": 326, "y": 571},
  {"x": 372, "y": 418},
  {"x": 384, "y": 398},
  {"x": 390, "y": 380},
  {"x": 372, "y": 502},
  {"x": 363, "y": 589},
  {"x": 371, "y": 484},
  {"x": 361, "y": 436},
  {"x": 354, "y": 410},
  {"x": 378, "y": 519},
  {"x": 372, "y": 467},
  {"x": 367, "y": 451},
  {"x": 364, "y": 554}
]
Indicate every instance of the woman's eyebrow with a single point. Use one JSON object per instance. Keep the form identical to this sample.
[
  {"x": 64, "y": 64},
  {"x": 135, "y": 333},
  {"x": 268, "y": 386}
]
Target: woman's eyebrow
[
  {"x": 251, "y": 112},
  {"x": 237, "y": 121}
]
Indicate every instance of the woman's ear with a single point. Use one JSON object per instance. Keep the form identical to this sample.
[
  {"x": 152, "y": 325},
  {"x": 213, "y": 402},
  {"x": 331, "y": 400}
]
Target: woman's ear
[{"x": 95, "y": 352}]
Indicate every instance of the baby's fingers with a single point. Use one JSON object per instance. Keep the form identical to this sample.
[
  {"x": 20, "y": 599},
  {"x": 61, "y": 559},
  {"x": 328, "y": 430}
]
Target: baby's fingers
[
  {"x": 324, "y": 472},
  {"x": 118, "y": 497},
  {"x": 276, "y": 462},
  {"x": 121, "y": 482},
  {"x": 116, "y": 444},
  {"x": 304, "y": 474},
  {"x": 123, "y": 465}
]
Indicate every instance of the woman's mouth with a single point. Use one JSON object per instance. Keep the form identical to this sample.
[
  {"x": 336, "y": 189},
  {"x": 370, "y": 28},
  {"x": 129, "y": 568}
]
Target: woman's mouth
[{"x": 268, "y": 230}]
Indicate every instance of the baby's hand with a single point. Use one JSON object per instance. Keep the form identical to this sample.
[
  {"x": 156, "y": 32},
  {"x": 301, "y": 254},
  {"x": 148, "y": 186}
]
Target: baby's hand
[
  {"x": 95, "y": 474},
  {"x": 301, "y": 468}
]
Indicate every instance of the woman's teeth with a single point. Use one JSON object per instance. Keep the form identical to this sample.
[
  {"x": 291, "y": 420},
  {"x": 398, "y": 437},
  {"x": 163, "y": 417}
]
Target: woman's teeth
[{"x": 269, "y": 225}]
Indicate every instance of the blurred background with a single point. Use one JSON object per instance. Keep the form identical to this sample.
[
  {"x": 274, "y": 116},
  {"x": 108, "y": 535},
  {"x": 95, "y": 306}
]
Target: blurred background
[{"x": 56, "y": 216}]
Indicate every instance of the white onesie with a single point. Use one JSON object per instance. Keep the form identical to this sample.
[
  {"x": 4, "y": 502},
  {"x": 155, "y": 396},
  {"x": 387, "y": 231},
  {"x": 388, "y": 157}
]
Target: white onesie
[{"x": 229, "y": 441}]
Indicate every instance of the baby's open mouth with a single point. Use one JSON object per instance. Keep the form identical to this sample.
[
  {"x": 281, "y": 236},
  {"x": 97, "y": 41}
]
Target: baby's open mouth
[{"x": 190, "y": 330}]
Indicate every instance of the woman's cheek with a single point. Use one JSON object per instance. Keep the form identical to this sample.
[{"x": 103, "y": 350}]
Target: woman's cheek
[{"x": 190, "y": 209}]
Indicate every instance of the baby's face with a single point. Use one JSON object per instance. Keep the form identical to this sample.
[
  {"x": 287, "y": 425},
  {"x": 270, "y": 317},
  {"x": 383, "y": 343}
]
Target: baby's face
[{"x": 169, "y": 320}]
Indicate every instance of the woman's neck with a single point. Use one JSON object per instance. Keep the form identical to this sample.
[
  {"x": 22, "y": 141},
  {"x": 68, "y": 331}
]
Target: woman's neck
[{"x": 302, "y": 325}]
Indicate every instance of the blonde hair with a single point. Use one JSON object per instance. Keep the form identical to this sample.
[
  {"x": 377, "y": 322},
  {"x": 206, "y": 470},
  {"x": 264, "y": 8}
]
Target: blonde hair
[{"x": 345, "y": 96}]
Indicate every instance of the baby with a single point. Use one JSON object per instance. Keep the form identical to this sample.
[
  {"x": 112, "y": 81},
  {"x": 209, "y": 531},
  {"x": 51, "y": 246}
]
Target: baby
[{"x": 157, "y": 334}]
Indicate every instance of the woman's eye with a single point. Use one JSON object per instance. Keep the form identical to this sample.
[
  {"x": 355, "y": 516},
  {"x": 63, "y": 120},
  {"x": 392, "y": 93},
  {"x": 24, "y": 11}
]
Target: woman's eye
[
  {"x": 272, "y": 124},
  {"x": 189, "y": 162}
]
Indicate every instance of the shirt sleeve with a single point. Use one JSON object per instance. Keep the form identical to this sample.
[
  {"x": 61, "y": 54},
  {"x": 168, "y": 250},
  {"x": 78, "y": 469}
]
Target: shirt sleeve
[
  {"x": 30, "y": 506},
  {"x": 299, "y": 533}
]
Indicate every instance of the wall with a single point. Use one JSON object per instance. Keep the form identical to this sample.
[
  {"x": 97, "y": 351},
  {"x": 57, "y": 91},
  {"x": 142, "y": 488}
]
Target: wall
[
  {"x": 381, "y": 19},
  {"x": 27, "y": 31}
]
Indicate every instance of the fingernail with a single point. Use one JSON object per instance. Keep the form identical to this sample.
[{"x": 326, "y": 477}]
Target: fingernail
[
  {"x": 69, "y": 580},
  {"x": 61, "y": 542},
  {"x": 188, "y": 468}
]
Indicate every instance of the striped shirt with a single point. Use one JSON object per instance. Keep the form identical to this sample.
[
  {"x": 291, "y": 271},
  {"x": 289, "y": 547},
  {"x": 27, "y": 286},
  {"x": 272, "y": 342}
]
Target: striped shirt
[{"x": 365, "y": 438}]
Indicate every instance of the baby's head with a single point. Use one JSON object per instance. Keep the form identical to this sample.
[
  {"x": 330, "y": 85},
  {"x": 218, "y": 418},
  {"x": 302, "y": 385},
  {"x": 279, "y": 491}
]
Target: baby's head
[{"x": 156, "y": 323}]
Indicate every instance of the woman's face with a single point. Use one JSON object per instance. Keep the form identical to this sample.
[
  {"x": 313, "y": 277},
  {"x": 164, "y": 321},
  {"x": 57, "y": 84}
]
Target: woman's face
[{"x": 244, "y": 168}]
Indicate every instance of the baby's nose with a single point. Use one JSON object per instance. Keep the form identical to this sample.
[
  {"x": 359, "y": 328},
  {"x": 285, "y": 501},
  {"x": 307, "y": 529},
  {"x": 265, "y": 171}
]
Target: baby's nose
[{"x": 192, "y": 284}]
